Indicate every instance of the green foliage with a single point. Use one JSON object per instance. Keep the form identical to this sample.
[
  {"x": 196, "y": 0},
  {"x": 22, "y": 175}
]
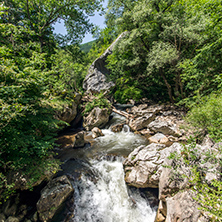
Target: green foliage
[
  {"x": 36, "y": 81},
  {"x": 206, "y": 116},
  {"x": 100, "y": 101},
  {"x": 208, "y": 194},
  {"x": 87, "y": 46}
]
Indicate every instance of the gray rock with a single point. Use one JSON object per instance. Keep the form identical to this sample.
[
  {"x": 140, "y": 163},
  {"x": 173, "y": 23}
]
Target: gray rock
[
  {"x": 96, "y": 79},
  {"x": 96, "y": 132},
  {"x": 159, "y": 138},
  {"x": 182, "y": 207},
  {"x": 97, "y": 118},
  {"x": 143, "y": 115},
  {"x": 165, "y": 126},
  {"x": 141, "y": 122},
  {"x": 144, "y": 109},
  {"x": 143, "y": 166},
  {"x": 79, "y": 139},
  {"x": 52, "y": 196}
]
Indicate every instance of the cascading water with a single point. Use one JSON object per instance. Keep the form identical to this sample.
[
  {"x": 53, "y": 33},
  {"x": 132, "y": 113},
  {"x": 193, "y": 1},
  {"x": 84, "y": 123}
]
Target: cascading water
[
  {"x": 108, "y": 199},
  {"x": 101, "y": 194}
]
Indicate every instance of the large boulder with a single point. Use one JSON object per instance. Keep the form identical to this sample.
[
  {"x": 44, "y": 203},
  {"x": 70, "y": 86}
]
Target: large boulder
[
  {"x": 96, "y": 80},
  {"x": 165, "y": 125},
  {"x": 52, "y": 196},
  {"x": 143, "y": 115},
  {"x": 144, "y": 165},
  {"x": 68, "y": 113},
  {"x": 97, "y": 118},
  {"x": 182, "y": 207}
]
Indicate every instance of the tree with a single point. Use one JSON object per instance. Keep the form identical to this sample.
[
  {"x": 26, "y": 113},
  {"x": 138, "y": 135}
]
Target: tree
[
  {"x": 162, "y": 34},
  {"x": 40, "y": 16}
]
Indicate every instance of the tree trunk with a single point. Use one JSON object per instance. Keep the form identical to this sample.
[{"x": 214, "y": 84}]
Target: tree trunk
[{"x": 167, "y": 85}]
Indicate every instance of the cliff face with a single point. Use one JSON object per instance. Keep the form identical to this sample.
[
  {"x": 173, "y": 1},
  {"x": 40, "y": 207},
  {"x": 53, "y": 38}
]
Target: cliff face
[{"x": 96, "y": 80}]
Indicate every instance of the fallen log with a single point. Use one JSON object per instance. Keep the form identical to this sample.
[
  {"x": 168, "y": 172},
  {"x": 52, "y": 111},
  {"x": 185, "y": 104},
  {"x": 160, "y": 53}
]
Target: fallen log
[{"x": 122, "y": 113}]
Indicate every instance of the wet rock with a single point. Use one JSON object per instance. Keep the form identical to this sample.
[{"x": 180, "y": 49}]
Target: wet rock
[
  {"x": 52, "y": 196},
  {"x": 165, "y": 126},
  {"x": 97, "y": 118},
  {"x": 158, "y": 138},
  {"x": 96, "y": 80},
  {"x": 12, "y": 219},
  {"x": 96, "y": 132},
  {"x": 117, "y": 128},
  {"x": 80, "y": 139}
]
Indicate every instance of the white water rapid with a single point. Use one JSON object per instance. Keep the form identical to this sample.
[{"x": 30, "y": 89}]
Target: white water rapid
[
  {"x": 101, "y": 194},
  {"x": 108, "y": 200}
]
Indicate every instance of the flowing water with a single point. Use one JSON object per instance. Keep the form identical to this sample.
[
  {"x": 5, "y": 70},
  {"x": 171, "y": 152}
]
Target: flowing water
[{"x": 101, "y": 194}]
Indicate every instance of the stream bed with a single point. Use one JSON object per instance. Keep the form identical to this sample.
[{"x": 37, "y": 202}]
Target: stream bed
[{"x": 97, "y": 175}]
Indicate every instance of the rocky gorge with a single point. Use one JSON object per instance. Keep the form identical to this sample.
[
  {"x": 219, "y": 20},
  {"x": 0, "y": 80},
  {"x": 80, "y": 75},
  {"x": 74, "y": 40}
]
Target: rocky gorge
[{"x": 95, "y": 148}]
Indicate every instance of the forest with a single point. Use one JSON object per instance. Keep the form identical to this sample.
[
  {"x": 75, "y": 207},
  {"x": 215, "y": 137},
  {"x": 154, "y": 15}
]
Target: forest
[{"x": 171, "y": 54}]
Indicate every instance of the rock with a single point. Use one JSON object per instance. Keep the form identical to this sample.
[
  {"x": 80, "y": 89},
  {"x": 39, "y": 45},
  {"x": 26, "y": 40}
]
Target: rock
[
  {"x": 144, "y": 115},
  {"x": 22, "y": 212},
  {"x": 11, "y": 206},
  {"x": 146, "y": 133},
  {"x": 52, "y": 196},
  {"x": 144, "y": 109},
  {"x": 80, "y": 139},
  {"x": 96, "y": 132},
  {"x": 117, "y": 128},
  {"x": 35, "y": 217},
  {"x": 183, "y": 207},
  {"x": 165, "y": 126},
  {"x": 143, "y": 166},
  {"x": 141, "y": 122},
  {"x": 158, "y": 138},
  {"x": 97, "y": 118},
  {"x": 12, "y": 219},
  {"x": 207, "y": 141},
  {"x": 68, "y": 114},
  {"x": 96, "y": 79},
  {"x": 2, "y": 218}
]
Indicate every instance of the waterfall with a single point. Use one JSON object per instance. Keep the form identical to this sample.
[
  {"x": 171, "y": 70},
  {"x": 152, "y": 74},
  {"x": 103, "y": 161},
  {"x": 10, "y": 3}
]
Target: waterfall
[
  {"x": 101, "y": 194},
  {"x": 108, "y": 199}
]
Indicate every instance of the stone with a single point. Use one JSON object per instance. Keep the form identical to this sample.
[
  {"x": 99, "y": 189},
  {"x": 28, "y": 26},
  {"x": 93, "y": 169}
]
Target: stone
[
  {"x": 12, "y": 219},
  {"x": 158, "y": 138},
  {"x": 143, "y": 115},
  {"x": 117, "y": 128},
  {"x": 182, "y": 207},
  {"x": 96, "y": 80},
  {"x": 79, "y": 139},
  {"x": 141, "y": 122},
  {"x": 97, "y": 118},
  {"x": 165, "y": 126},
  {"x": 52, "y": 196},
  {"x": 143, "y": 166},
  {"x": 68, "y": 114},
  {"x": 96, "y": 132}
]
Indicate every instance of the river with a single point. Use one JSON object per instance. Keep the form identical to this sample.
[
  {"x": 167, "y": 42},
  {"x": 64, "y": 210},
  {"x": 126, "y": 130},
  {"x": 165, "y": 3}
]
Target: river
[{"x": 101, "y": 194}]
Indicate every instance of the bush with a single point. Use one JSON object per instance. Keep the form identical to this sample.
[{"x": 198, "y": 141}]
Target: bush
[{"x": 206, "y": 116}]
